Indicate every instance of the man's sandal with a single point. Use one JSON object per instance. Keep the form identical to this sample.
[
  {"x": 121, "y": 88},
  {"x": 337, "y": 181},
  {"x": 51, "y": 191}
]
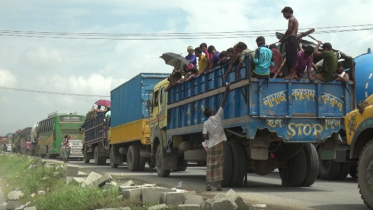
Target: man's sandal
[{"x": 208, "y": 188}]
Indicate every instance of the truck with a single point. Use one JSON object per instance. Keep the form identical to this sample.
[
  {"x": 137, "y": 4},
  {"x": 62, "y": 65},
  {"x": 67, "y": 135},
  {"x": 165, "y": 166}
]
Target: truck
[
  {"x": 20, "y": 140},
  {"x": 125, "y": 136},
  {"x": 359, "y": 131},
  {"x": 270, "y": 124}
]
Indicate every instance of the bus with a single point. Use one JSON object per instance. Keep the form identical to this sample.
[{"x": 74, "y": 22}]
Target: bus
[{"x": 51, "y": 132}]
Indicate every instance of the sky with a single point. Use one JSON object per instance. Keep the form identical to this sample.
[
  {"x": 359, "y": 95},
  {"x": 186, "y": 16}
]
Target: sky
[{"x": 94, "y": 67}]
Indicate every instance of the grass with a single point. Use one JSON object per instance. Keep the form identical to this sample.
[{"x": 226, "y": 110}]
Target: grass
[{"x": 15, "y": 173}]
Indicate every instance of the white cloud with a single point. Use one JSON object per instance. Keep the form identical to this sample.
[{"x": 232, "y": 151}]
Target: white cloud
[
  {"x": 7, "y": 79},
  {"x": 42, "y": 58}
]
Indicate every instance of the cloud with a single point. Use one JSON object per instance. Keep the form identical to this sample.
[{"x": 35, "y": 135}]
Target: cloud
[
  {"x": 42, "y": 58},
  {"x": 7, "y": 79}
]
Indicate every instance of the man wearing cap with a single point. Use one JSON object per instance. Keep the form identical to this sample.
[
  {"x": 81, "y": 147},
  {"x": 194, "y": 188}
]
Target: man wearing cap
[
  {"x": 191, "y": 57},
  {"x": 262, "y": 59},
  {"x": 330, "y": 63}
]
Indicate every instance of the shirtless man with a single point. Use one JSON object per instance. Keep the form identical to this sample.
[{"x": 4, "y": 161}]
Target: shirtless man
[{"x": 290, "y": 38}]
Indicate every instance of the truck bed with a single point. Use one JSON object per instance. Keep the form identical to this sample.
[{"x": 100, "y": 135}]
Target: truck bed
[
  {"x": 296, "y": 111},
  {"x": 133, "y": 131}
]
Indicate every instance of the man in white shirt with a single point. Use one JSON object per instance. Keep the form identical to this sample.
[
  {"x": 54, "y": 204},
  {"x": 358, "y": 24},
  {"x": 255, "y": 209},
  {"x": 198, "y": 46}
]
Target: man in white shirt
[{"x": 213, "y": 132}]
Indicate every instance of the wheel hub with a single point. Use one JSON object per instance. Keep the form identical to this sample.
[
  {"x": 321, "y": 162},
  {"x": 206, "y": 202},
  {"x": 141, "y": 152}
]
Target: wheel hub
[{"x": 369, "y": 175}]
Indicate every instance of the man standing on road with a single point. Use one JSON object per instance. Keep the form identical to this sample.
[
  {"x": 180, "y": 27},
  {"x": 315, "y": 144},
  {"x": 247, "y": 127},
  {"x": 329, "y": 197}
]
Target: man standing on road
[
  {"x": 213, "y": 132},
  {"x": 66, "y": 143},
  {"x": 290, "y": 38},
  {"x": 27, "y": 147}
]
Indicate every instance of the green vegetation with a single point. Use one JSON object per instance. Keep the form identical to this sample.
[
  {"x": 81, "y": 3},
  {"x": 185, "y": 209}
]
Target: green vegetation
[{"x": 16, "y": 172}]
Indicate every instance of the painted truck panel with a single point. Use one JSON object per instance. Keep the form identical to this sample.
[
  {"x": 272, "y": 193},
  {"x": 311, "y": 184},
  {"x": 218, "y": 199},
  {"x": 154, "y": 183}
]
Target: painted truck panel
[
  {"x": 296, "y": 111},
  {"x": 133, "y": 131}
]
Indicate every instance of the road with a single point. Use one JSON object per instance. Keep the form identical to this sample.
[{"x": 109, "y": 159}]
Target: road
[{"x": 323, "y": 195}]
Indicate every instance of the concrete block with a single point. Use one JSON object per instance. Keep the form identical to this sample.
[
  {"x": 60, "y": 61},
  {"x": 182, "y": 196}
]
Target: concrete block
[
  {"x": 103, "y": 179},
  {"x": 158, "y": 207},
  {"x": 11, "y": 205},
  {"x": 189, "y": 193},
  {"x": 153, "y": 194},
  {"x": 82, "y": 174},
  {"x": 91, "y": 180},
  {"x": 223, "y": 204},
  {"x": 237, "y": 199},
  {"x": 122, "y": 188},
  {"x": 148, "y": 185},
  {"x": 109, "y": 185},
  {"x": 173, "y": 198},
  {"x": 132, "y": 194},
  {"x": 195, "y": 199},
  {"x": 78, "y": 179},
  {"x": 15, "y": 195},
  {"x": 189, "y": 207},
  {"x": 72, "y": 170},
  {"x": 30, "y": 208}
]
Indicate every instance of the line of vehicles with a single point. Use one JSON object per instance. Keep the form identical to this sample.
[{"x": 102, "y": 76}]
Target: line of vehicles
[{"x": 303, "y": 129}]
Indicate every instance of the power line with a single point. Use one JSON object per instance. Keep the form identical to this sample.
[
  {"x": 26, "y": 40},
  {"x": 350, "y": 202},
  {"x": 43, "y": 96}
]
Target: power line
[
  {"x": 52, "y": 93},
  {"x": 167, "y": 36}
]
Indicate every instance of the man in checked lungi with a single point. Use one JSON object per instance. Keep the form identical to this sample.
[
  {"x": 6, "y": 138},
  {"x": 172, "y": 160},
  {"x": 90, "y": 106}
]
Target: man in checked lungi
[{"x": 213, "y": 132}]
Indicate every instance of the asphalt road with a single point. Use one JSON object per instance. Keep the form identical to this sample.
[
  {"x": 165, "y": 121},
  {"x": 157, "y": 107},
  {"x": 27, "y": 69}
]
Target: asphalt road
[{"x": 325, "y": 195}]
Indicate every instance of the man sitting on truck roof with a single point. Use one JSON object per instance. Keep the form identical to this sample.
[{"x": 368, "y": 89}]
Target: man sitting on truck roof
[
  {"x": 262, "y": 59},
  {"x": 213, "y": 133},
  {"x": 214, "y": 58},
  {"x": 330, "y": 62},
  {"x": 341, "y": 75}
]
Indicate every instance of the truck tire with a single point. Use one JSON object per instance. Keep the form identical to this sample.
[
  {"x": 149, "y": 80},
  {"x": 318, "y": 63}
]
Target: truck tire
[
  {"x": 329, "y": 169},
  {"x": 295, "y": 173},
  {"x": 195, "y": 155},
  {"x": 142, "y": 161},
  {"x": 353, "y": 170},
  {"x": 159, "y": 163},
  {"x": 182, "y": 165},
  {"x": 343, "y": 173},
  {"x": 228, "y": 165},
  {"x": 239, "y": 164},
  {"x": 85, "y": 156},
  {"x": 365, "y": 174},
  {"x": 112, "y": 158},
  {"x": 133, "y": 157},
  {"x": 98, "y": 159},
  {"x": 312, "y": 169}
]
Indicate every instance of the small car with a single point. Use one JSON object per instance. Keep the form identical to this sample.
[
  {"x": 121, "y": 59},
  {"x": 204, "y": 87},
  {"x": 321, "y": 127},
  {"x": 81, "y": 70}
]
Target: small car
[
  {"x": 9, "y": 148},
  {"x": 75, "y": 151}
]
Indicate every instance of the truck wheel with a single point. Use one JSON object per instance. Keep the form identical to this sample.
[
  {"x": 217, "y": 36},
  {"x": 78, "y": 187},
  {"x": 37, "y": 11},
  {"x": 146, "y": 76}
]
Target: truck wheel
[
  {"x": 329, "y": 169},
  {"x": 239, "y": 164},
  {"x": 295, "y": 173},
  {"x": 98, "y": 159},
  {"x": 365, "y": 174},
  {"x": 182, "y": 165},
  {"x": 133, "y": 155},
  {"x": 353, "y": 170},
  {"x": 312, "y": 161},
  {"x": 345, "y": 168},
  {"x": 112, "y": 158},
  {"x": 228, "y": 165},
  {"x": 142, "y": 161},
  {"x": 85, "y": 156},
  {"x": 159, "y": 163}
]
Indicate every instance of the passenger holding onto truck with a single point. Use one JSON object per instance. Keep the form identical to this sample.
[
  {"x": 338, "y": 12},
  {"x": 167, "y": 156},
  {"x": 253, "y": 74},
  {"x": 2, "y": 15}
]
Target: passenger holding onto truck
[
  {"x": 330, "y": 63},
  {"x": 66, "y": 144},
  {"x": 262, "y": 59},
  {"x": 341, "y": 74},
  {"x": 191, "y": 57},
  {"x": 203, "y": 47},
  {"x": 277, "y": 61},
  {"x": 290, "y": 38},
  {"x": 213, "y": 133},
  {"x": 241, "y": 52}
]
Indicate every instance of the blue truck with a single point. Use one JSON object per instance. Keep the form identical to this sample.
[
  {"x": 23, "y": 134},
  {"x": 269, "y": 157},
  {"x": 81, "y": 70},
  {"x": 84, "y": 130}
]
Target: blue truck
[{"x": 269, "y": 124}]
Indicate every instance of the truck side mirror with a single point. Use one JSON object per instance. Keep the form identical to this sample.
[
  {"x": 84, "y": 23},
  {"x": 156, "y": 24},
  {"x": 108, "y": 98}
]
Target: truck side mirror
[{"x": 150, "y": 106}]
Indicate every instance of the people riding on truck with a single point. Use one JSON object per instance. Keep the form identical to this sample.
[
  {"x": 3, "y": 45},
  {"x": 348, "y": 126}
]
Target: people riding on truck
[
  {"x": 341, "y": 75},
  {"x": 330, "y": 63}
]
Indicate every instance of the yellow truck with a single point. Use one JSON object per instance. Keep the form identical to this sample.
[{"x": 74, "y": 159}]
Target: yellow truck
[
  {"x": 125, "y": 135},
  {"x": 359, "y": 132}
]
